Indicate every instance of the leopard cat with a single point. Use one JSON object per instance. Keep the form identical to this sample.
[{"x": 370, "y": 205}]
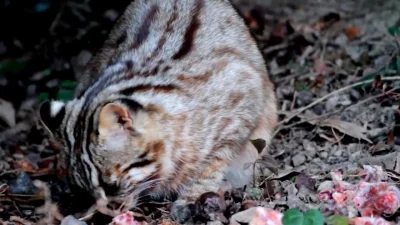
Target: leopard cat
[{"x": 167, "y": 106}]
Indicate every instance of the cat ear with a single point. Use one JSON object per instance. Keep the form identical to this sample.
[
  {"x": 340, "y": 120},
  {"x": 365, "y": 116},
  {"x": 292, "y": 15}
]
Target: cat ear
[
  {"x": 114, "y": 117},
  {"x": 52, "y": 114}
]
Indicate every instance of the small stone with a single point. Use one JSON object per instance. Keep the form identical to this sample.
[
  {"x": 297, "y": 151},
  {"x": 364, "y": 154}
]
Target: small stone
[
  {"x": 338, "y": 153},
  {"x": 315, "y": 160},
  {"x": 3, "y": 48},
  {"x": 355, "y": 95},
  {"x": 7, "y": 112},
  {"x": 244, "y": 216},
  {"x": 323, "y": 155},
  {"x": 308, "y": 145},
  {"x": 70, "y": 220},
  {"x": 52, "y": 83},
  {"x": 214, "y": 223},
  {"x": 341, "y": 40},
  {"x": 304, "y": 98},
  {"x": 298, "y": 159},
  {"x": 22, "y": 185},
  {"x": 111, "y": 14},
  {"x": 325, "y": 185}
]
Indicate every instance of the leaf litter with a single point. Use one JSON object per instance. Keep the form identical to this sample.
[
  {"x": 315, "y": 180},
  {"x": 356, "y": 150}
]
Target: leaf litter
[{"x": 336, "y": 150}]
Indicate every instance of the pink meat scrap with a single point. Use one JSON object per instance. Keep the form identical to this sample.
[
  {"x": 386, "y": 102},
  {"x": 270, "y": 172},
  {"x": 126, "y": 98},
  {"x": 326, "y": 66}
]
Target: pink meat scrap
[
  {"x": 126, "y": 219},
  {"x": 371, "y": 197}
]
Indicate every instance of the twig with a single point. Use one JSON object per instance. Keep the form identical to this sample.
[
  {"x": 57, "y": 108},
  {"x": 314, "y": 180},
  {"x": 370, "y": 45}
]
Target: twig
[
  {"x": 3, "y": 188},
  {"x": 276, "y": 48},
  {"x": 20, "y": 220},
  {"x": 300, "y": 110},
  {"x": 57, "y": 18},
  {"x": 331, "y": 113}
]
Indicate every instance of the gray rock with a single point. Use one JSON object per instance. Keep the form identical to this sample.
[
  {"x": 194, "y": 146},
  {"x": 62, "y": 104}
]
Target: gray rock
[
  {"x": 298, "y": 159},
  {"x": 70, "y": 220}
]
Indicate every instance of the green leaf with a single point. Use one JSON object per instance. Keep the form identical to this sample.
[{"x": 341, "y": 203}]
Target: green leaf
[
  {"x": 398, "y": 64},
  {"x": 338, "y": 220},
  {"x": 313, "y": 217},
  {"x": 68, "y": 84},
  {"x": 65, "y": 95},
  {"x": 255, "y": 193},
  {"x": 301, "y": 86},
  {"x": 43, "y": 97},
  {"x": 11, "y": 66},
  {"x": 47, "y": 72},
  {"x": 394, "y": 30},
  {"x": 293, "y": 217}
]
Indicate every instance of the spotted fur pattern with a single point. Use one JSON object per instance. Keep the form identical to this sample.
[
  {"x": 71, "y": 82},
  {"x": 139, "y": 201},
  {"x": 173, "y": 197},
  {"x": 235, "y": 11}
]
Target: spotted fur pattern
[{"x": 196, "y": 90}]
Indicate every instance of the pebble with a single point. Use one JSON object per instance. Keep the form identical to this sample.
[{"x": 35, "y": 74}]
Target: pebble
[
  {"x": 325, "y": 185},
  {"x": 70, "y": 220},
  {"x": 338, "y": 153},
  {"x": 214, "y": 223},
  {"x": 304, "y": 98},
  {"x": 111, "y": 14},
  {"x": 298, "y": 159},
  {"x": 323, "y": 155},
  {"x": 22, "y": 185},
  {"x": 355, "y": 95}
]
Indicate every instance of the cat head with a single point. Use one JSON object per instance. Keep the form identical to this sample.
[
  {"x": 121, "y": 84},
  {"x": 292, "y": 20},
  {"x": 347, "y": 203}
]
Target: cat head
[{"x": 113, "y": 145}]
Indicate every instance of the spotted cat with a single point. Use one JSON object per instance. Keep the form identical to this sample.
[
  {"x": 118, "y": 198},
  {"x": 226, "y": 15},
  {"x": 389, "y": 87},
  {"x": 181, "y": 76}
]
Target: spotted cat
[{"x": 167, "y": 106}]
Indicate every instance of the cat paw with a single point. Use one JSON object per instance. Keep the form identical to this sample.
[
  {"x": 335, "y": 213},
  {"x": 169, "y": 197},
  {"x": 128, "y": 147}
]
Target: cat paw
[{"x": 182, "y": 211}]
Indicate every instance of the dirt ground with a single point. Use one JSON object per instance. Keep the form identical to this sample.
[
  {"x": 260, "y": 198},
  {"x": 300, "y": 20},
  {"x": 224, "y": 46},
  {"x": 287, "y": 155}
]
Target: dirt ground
[{"x": 335, "y": 64}]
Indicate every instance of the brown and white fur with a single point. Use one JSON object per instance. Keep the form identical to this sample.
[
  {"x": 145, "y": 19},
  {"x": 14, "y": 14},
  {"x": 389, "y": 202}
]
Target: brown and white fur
[{"x": 168, "y": 105}]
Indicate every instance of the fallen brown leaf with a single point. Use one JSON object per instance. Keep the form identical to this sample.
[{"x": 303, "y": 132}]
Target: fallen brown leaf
[
  {"x": 348, "y": 128},
  {"x": 24, "y": 165},
  {"x": 280, "y": 33},
  {"x": 352, "y": 32},
  {"x": 255, "y": 21},
  {"x": 344, "y": 127},
  {"x": 304, "y": 180}
]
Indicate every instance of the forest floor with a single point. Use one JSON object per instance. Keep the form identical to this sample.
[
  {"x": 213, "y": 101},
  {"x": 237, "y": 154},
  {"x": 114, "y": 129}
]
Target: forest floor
[{"x": 336, "y": 67}]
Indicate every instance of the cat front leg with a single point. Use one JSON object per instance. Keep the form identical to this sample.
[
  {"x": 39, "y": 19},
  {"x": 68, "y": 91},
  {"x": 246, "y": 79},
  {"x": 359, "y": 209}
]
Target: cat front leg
[{"x": 209, "y": 180}]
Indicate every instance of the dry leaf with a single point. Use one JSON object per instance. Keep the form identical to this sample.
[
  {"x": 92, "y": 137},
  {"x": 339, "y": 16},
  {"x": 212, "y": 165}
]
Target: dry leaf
[
  {"x": 24, "y": 165},
  {"x": 285, "y": 175},
  {"x": 352, "y": 32},
  {"x": 348, "y": 128},
  {"x": 320, "y": 66},
  {"x": 255, "y": 21}
]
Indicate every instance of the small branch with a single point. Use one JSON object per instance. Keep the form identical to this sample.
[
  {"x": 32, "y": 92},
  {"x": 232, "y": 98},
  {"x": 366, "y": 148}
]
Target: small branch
[
  {"x": 331, "y": 113},
  {"x": 300, "y": 110}
]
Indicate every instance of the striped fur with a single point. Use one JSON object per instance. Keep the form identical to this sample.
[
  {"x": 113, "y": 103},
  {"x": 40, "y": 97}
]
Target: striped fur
[{"x": 196, "y": 89}]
